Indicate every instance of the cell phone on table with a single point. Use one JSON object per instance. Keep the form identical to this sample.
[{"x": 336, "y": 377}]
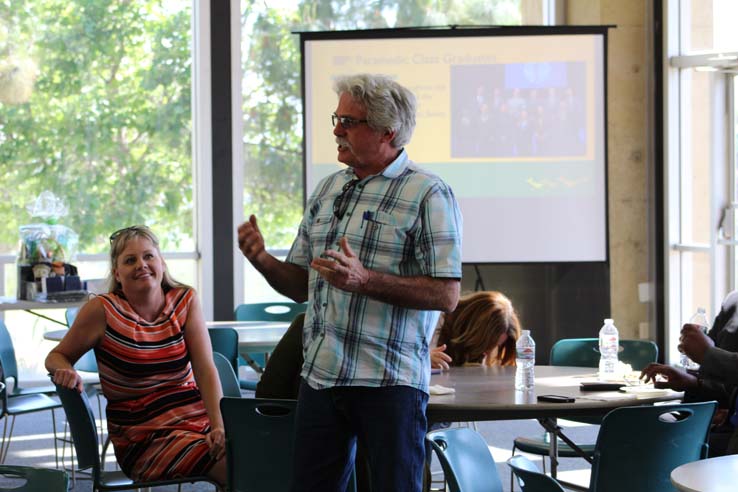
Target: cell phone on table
[{"x": 556, "y": 399}]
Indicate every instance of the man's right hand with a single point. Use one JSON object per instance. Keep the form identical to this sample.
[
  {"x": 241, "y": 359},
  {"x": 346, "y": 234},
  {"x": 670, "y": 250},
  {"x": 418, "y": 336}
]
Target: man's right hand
[{"x": 250, "y": 240}]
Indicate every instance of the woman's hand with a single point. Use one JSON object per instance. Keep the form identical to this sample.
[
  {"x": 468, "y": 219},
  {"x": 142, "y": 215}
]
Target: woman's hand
[
  {"x": 68, "y": 378},
  {"x": 216, "y": 440},
  {"x": 439, "y": 358}
]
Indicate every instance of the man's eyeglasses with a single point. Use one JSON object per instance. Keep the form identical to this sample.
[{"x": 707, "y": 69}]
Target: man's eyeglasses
[
  {"x": 345, "y": 121},
  {"x": 341, "y": 203},
  {"x": 126, "y": 230}
]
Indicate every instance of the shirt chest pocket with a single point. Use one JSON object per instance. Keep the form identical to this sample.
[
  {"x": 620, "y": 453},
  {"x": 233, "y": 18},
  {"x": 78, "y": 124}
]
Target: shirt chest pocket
[
  {"x": 384, "y": 233},
  {"x": 319, "y": 231}
]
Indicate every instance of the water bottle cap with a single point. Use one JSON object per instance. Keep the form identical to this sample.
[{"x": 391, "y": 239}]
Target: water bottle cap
[
  {"x": 525, "y": 332},
  {"x": 609, "y": 321}
]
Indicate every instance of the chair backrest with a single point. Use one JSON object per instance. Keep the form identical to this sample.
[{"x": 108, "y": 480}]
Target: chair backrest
[
  {"x": 36, "y": 479},
  {"x": 466, "y": 461},
  {"x": 638, "y": 447},
  {"x": 269, "y": 311},
  {"x": 530, "y": 478},
  {"x": 585, "y": 352},
  {"x": 225, "y": 341},
  {"x": 86, "y": 363},
  {"x": 259, "y": 440},
  {"x": 70, "y": 315},
  {"x": 83, "y": 429},
  {"x": 7, "y": 355},
  {"x": 228, "y": 379}
]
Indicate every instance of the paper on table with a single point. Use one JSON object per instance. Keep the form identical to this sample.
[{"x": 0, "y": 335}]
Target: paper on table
[
  {"x": 437, "y": 389},
  {"x": 645, "y": 391}
]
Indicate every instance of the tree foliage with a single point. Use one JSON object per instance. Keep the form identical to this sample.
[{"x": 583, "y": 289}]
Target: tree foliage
[
  {"x": 272, "y": 106},
  {"x": 107, "y": 126},
  {"x": 107, "y": 123}
]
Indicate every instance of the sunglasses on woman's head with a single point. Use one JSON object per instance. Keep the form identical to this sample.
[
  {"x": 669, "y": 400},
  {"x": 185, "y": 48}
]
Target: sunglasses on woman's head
[{"x": 126, "y": 230}]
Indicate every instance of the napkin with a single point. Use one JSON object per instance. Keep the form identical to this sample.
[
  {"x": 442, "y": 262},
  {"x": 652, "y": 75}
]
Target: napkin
[{"x": 437, "y": 389}]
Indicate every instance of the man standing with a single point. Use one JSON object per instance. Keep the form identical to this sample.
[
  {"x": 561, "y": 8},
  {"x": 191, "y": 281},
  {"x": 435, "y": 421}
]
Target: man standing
[{"x": 377, "y": 256}]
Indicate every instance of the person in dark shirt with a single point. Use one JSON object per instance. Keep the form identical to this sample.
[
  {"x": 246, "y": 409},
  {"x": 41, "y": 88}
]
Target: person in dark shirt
[{"x": 717, "y": 377}]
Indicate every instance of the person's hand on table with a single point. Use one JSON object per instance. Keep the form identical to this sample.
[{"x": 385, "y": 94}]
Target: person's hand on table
[
  {"x": 68, "y": 378},
  {"x": 216, "y": 440},
  {"x": 694, "y": 342},
  {"x": 675, "y": 378},
  {"x": 440, "y": 359}
]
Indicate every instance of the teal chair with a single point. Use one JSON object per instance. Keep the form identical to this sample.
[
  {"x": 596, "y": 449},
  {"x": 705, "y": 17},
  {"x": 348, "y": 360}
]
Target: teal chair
[
  {"x": 228, "y": 379},
  {"x": 86, "y": 363},
  {"x": 264, "y": 311},
  {"x": 259, "y": 440},
  {"x": 225, "y": 341},
  {"x": 584, "y": 352},
  {"x": 31, "y": 479},
  {"x": 530, "y": 478},
  {"x": 20, "y": 401},
  {"x": 269, "y": 311},
  {"x": 466, "y": 461},
  {"x": 84, "y": 434},
  {"x": 638, "y": 447}
]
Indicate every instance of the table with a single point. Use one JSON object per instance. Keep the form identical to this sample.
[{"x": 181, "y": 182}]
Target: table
[
  {"x": 11, "y": 303},
  {"x": 710, "y": 475},
  {"x": 488, "y": 393},
  {"x": 253, "y": 336}
]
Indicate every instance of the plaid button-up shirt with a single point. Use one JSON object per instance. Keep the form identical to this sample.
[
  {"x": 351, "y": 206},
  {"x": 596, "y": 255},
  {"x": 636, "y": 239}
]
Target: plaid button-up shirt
[{"x": 404, "y": 221}]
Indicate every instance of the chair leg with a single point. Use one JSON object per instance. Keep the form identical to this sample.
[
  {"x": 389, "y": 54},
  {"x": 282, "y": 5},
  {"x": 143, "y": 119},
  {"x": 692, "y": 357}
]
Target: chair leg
[
  {"x": 512, "y": 475},
  {"x": 3, "y": 450},
  {"x": 8, "y": 439},
  {"x": 56, "y": 444},
  {"x": 66, "y": 439}
]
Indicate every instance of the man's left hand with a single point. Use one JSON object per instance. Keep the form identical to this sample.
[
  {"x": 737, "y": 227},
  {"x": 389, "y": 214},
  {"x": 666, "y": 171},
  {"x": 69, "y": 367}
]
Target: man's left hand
[
  {"x": 694, "y": 342},
  {"x": 342, "y": 269}
]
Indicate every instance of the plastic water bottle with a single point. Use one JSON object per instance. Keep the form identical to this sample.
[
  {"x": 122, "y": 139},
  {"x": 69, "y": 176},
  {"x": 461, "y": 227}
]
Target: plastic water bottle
[
  {"x": 609, "y": 344},
  {"x": 525, "y": 360},
  {"x": 699, "y": 318}
]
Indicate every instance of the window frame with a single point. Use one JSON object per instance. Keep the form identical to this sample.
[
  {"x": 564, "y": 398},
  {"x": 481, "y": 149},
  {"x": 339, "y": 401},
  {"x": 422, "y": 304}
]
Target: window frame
[{"x": 677, "y": 127}]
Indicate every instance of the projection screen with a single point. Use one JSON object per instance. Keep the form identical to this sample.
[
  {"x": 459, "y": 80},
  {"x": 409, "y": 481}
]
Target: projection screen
[{"x": 512, "y": 118}]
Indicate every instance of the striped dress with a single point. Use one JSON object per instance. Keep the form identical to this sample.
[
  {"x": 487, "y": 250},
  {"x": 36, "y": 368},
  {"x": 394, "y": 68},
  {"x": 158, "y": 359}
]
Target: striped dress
[{"x": 156, "y": 417}]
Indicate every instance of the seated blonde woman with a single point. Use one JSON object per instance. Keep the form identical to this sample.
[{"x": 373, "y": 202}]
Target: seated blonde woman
[{"x": 481, "y": 330}]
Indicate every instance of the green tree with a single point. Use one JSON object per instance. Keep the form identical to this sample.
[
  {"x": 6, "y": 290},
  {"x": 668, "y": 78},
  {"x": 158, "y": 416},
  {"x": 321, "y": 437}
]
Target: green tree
[
  {"x": 272, "y": 107},
  {"x": 107, "y": 126}
]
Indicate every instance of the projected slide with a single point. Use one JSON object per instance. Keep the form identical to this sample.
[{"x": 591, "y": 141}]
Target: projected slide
[
  {"x": 515, "y": 124},
  {"x": 518, "y": 110}
]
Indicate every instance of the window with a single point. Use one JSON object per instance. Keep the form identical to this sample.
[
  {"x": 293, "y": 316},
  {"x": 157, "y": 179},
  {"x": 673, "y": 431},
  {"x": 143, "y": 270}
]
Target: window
[
  {"x": 700, "y": 165},
  {"x": 95, "y": 106},
  {"x": 272, "y": 107}
]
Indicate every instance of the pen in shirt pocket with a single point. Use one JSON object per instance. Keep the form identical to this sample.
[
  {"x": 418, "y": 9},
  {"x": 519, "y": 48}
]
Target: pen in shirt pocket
[{"x": 368, "y": 215}]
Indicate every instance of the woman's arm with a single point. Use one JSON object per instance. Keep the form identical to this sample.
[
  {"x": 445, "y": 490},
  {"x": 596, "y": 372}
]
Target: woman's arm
[
  {"x": 86, "y": 332},
  {"x": 206, "y": 375}
]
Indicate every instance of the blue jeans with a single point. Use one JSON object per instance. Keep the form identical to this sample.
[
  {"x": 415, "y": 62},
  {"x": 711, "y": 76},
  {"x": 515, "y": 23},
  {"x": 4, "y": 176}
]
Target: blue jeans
[{"x": 389, "y": 422}]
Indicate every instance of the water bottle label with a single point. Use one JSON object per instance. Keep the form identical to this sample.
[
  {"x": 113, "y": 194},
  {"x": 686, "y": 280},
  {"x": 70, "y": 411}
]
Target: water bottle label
[{"x": 526, "y": 353}]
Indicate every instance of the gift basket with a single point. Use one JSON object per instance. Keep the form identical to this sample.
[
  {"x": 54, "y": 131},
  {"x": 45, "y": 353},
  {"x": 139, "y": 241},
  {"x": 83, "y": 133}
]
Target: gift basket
[{"x": 45, "y": 271}]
